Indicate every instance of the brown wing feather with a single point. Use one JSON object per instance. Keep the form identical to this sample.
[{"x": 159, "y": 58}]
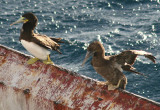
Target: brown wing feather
[
  {"x": 146, "y": 54},
  {"x": 129, "y": 68},
  {"x": 46, "y": 42},
  {"x": 125, "y": 57},
  {"x": 129, "y": 56},
  {"x": 151, "y": 57},
  {"x": 57, "y": 40}
]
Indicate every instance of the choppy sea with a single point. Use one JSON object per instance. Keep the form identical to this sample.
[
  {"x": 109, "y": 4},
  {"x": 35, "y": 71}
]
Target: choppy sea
[{"x": 118, "y": 24}]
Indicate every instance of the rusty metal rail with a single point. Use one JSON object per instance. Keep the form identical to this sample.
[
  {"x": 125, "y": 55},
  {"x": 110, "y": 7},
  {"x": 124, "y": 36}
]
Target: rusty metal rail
[{"x": 49, "y": 87}]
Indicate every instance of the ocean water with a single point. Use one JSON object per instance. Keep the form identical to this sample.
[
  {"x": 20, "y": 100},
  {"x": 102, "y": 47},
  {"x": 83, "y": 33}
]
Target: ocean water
[{"x": 118, "y": 24}]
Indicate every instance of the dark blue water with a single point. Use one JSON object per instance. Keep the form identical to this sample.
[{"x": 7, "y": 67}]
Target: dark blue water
[{"x": 118, "y": 24}]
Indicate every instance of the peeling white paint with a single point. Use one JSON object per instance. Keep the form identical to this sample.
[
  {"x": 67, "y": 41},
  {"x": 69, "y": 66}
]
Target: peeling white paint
[
  {"x": 12, "y": 101},
  {"x": 45, "y": 89}
]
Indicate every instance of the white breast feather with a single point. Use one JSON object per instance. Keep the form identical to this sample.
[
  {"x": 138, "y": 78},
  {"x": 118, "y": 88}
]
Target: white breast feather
[{"x": 36, "y": 50}]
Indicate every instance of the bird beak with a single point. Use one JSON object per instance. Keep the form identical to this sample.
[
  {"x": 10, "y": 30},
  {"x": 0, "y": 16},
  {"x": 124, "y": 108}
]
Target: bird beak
[
  {"x": 20, "y": 20},
  {"x": 88, "y": 54}
]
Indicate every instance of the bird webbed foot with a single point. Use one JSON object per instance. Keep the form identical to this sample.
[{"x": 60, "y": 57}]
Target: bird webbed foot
[
  {"x": 32, "y": 60},
  {"x": 102, "y": 83},
  {"x": 113, "y": 87},
  {"x": 48, "y": 61}
]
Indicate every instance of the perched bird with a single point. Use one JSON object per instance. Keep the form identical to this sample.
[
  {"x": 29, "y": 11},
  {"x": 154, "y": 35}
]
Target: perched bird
[
  {"x": 36, "y": 44},
  {"x": 111, "y": 67}
]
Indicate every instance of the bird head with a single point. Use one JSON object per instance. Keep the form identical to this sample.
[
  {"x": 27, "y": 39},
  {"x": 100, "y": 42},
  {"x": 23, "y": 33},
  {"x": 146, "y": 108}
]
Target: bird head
[
  {"x": 94, "y": 48},
  {"x": 27, "y": 17}
]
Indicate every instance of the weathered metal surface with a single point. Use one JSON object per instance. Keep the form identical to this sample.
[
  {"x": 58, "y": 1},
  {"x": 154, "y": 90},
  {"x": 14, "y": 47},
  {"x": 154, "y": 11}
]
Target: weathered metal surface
[{"x": 48, "y": 87}]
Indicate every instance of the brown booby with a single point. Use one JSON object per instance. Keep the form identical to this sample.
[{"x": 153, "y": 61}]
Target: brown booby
[
  {"x": 111, "y": 67},
  {"x": 36, "y": 44}
]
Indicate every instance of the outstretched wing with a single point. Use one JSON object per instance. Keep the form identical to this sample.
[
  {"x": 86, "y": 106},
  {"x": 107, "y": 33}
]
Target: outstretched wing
[
  {"x": 46, "y": 42},
  {"x": 129, "y": 56}
]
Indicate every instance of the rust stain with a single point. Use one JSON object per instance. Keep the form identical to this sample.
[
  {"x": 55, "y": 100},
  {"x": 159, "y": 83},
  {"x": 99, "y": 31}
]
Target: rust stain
[
  {"x": 26, "y": 91},
  {"x": 2, "y": 84},
  {"x": 111, "y": 106},
  {"x": 53, "y": 88},
  {"x": 27, "y": 94},
  {"x": 2, "y": 59},
  {"x": 16, "y": 89},
  {"x": 58, "y": 106}
]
